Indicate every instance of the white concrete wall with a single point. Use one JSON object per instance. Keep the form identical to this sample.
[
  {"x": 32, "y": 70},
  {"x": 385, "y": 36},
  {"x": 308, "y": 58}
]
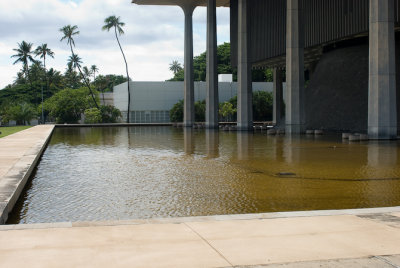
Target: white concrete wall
[{"x": 161, "y": 96}]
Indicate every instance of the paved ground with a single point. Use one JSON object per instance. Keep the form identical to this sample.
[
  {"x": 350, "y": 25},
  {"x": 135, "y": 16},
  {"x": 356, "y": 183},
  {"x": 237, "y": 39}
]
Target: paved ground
[
  {"x": 365, "y": 240},
  {"x": 338, "y": 238},
  {"x": 18, "y": 154}
]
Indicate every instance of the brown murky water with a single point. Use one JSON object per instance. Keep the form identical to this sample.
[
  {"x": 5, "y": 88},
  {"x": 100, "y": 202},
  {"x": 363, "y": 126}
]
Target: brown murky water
[{"x": 147, "y": 172}]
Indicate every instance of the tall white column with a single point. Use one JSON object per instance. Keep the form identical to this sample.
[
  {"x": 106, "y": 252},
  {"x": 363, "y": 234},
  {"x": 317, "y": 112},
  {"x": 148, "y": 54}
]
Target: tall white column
[
  {"x": 212, "y": 77},
  {"x": 188, "y": 110},
  {"x": 278, "y": 97},
  {"x": 245, "y": 94},
  {"x": 295, "y": 110},
  {"x": 382, "y": 114}
]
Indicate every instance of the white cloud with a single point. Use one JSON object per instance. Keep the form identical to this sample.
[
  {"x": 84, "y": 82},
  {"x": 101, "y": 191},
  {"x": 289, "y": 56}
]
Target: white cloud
[{"x": 153, "y": 34}]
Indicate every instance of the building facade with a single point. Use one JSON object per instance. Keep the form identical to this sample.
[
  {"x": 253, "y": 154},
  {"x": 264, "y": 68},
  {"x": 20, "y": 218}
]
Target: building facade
[{"x": 296, "y": 36}]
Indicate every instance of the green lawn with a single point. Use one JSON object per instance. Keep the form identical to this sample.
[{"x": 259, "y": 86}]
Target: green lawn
[{"x": 5, "y": 131}]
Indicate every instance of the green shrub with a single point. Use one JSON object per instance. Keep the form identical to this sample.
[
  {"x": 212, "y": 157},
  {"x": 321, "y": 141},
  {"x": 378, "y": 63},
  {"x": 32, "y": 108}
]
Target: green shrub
[
  {"x": 226, "y": 110},
  {"x": 109, "y": 114},
  {"x": 67, "y": 105},
  {"x": 176, "y": 112},
  {"x": 22, "y": 113},
  {"x": 92, "y": 116},
  {"x": 262, "y": 106},
  {"x": 200, "y": 111}
]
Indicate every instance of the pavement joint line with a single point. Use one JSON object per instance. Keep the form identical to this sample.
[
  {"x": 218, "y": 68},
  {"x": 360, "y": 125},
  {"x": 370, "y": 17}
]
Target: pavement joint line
[
  {"x": 205, "y": 240},
  {"x": 387, "y": 261}
]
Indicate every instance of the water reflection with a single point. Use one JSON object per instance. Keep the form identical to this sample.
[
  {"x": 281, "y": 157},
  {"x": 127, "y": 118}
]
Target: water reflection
[
  {"x": 212, "y": 143},
  {"x": 145, "y": 172},
  {"x": 244, "y": 145},
  {"x": 188, "y": 140}
]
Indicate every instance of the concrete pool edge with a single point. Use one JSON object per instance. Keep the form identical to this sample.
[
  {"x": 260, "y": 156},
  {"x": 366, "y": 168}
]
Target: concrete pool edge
[
  {"x": 215, "y": 218},
  {"x": 29, "y": 149}
]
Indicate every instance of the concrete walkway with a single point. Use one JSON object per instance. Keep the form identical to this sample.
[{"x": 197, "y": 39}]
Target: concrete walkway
[
  {"x": 358, "y": 239},
  {"x": 19, "y": 153}
]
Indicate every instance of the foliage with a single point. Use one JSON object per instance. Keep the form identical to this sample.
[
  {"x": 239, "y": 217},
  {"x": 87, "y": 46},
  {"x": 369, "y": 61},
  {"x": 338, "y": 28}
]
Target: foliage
[
  {"x": 22, "y": 113},
  {"x": 105, "y": 83},
  {"x": 24, "y": 55},
  {"x": 92, "y": 116},
  {"x": 69, "y": 32},
  {"x": 114, "y": 22},
  {"x": 175, "y": 67},
  {"x": 262, "y": 106},
  {"x": 176, "y": 112},
  {"x": 109, "y": 114},
  {"x": 226, "y": 110},
  {"x": 223, "y": 67},
  {"x": 200, "y": 111},
  {"x": 5, "y": 131},
  {"x": 67, "y": 105}
]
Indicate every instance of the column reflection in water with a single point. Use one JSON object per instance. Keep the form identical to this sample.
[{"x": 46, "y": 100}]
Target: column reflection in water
[
  {"x": 382, "y": 161},
  {"x": 383, "y": 185},
  {"x": 188, "y": 140},
  {"x": 244, "y": 145},
  {"x": 212, "y": 143}
]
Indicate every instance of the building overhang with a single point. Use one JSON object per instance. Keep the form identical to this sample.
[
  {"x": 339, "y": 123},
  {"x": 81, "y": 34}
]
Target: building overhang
[{"x": 220, "y": 3}]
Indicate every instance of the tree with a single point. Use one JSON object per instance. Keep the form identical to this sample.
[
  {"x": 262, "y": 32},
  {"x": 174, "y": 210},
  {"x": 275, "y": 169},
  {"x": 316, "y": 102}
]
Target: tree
[
  {"x": 109, "y": 114},
  {"x": 69, "y": 33},
  {"x": 42, "y": 51},
  {"x": 24, "y": 55},
  {"x": 226, "y": 110},
  {"x": 176, "y": 112},
  {"x": 113, "y": 22},
  {"x": 94, "y": 70},
  {"x": 22, "y": 113},
  {"x": 262, "y": 106},
  {"x": 67, "y": 105},
  {"x": 175, "y": 67},
  {"x": 74, "y": 61},
  {"x": 87, "y": 73},
  {"x": 92, "y": 116}
]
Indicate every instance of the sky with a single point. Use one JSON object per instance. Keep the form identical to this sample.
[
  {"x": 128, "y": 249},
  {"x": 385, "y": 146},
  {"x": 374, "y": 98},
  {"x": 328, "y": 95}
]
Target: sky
[{"x": 153, "y": 35}]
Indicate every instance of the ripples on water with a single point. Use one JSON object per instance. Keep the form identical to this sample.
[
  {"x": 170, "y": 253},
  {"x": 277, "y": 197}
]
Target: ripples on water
[{"x": 145, "y": 172}]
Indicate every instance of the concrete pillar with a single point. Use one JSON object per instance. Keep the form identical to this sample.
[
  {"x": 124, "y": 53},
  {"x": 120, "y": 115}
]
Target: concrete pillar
[
  {"x": 212, "y": 77},
  {"x": 245, "y": 94},
  {"x": 382, "y": 117},
  {"x": 188, "y": 109},
  {"x": 295, "y": 110},
  {"x": 278, "y": 97}
]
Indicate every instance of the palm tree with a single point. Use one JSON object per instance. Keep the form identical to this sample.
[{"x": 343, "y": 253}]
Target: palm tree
[
  {"x": 42, "y": 51},
  {"x": 87, "y": 73},
  {"x": 24, "y": 55},
  {"x": 94, "y": 70},
  {"x": 69, "y": 32},
  {"x": 175, "y": 67},
  {"x": 74, "y": 61},
  {"x": 114, "y": 22}
]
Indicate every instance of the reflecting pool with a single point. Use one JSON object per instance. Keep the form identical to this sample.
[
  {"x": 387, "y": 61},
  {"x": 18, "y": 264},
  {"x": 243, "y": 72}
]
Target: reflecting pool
[{"x": 116, "y": 173}]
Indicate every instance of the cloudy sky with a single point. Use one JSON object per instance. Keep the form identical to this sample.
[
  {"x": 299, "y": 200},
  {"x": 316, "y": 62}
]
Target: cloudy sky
[{"x": 153, "y": 35}]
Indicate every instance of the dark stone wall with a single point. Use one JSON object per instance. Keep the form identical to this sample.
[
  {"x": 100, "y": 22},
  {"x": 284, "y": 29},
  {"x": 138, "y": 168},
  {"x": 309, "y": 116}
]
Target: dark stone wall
[{"x": 337, "y": 93}]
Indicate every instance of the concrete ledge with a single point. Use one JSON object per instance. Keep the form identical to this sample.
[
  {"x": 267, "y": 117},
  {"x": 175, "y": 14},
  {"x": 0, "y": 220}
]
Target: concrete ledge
[
  {"x": 20, "y": 153},
  {"x": 214, "y": 218}
]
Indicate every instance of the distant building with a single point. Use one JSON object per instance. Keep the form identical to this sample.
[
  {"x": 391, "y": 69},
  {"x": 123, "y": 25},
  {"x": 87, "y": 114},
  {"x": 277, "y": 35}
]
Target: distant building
[{"x": 151, "y": 101}]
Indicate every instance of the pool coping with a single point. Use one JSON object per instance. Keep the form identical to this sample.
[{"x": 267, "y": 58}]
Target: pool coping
[
  {"x": 212, "y": 218},
  {"x": 14, "y": 180}
]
